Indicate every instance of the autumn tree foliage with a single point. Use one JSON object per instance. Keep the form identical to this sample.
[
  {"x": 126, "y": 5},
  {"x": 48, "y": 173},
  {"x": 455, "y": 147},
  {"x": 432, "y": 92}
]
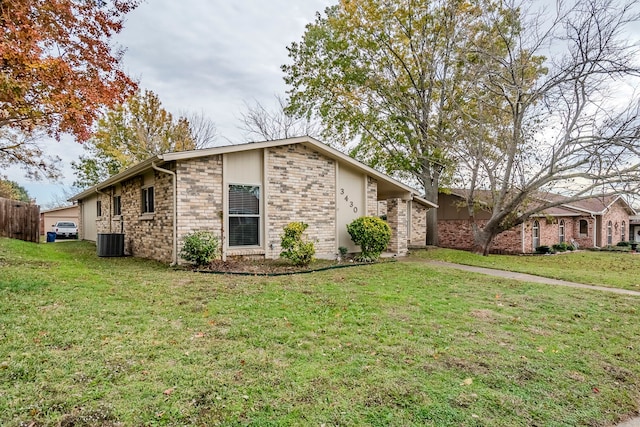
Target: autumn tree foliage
[
  {"x": 58, "y": 69},
  {"x": 134, "y": 131},
  {"x": 385, "y": 74}
]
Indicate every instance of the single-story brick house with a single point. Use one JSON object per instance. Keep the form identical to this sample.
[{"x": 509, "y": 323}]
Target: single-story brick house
[
  {"x": 246, "y": 194},
  {"x": 593, "y": 222},
  {"x": 49, "y": 217}
]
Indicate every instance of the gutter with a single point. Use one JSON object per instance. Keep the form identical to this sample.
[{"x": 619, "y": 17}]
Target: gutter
[{"x": 174, "y": 256}]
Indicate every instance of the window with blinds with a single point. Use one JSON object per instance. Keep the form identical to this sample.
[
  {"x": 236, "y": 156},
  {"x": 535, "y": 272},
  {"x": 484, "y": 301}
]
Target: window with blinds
[{"x": 244, "y": 215}]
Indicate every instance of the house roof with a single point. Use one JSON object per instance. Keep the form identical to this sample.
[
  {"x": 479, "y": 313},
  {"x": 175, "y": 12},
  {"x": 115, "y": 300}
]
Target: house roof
[
  {"x": 61, "y": 208},
  {"x": 597, "y": 205},
  {"x": 387, "y": 186}
]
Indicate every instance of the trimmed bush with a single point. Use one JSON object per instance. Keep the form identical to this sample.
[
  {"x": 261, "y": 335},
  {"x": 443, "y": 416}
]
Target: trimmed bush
[
  {"x": 372, "y": 234},
  {"x": 543, "y": 249},
  {"x": 296, "y": 250},
  {"x": 199, "y": 247},
  {"x": 562, "y": 247}
]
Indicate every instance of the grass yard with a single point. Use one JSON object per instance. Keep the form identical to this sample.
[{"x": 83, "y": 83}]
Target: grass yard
[
  {"x": 87, "y": 341},
  {"x": 611, "y": 269}
]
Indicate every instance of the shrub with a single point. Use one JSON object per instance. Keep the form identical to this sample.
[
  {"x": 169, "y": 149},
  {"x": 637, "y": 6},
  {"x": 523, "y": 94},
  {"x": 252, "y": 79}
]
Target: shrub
[
  {"x": 543, "y": 249},
  {"x": 623, "y": 244},
  {"x": 372, "y": 234},
  {"x": 296, "y": 250},
  {"x": 199, "y": 247},
  {"x": 562, "y": 247}
]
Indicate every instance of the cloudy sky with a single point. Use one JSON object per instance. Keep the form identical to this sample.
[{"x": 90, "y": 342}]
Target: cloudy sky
[{"x": 208, "y": 56}]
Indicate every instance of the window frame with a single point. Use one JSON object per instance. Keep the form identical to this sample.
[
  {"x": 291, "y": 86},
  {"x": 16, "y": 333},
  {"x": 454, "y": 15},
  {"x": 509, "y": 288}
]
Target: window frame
[
  {"x": 561, "y": 231},
  {"x": 236, "y": 215},
  {"x": 586, "y": 223},
  {"x": 145, "y": 200},
  {"x": 609, "y": 233},
  {"x": 535, "y": 234},
  {"x": 98, "y": 208},
  {"x": 623, "y": 231},
  {"x": 117, "y": 205}
]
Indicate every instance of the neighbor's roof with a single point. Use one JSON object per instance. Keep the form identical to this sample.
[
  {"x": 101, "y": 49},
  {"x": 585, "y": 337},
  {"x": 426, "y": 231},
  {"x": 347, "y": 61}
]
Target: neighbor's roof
[
  {"x": 60, "y": 208},
  {"x": 596, "y": 205},
  {"x": 387, "y": 186}
]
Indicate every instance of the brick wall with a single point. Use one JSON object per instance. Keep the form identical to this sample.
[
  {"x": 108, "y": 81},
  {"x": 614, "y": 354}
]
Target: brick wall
[
  {"x": 418, "y": 224},
  {"x": 301, "y": 187},
  {"x": 397, "y": 219},
  {"x": 616, "y": 214},
  {"x": 200, "y": 196},
  {"x": 458, "y": 234},
  {"x": 372, "y": 197}
]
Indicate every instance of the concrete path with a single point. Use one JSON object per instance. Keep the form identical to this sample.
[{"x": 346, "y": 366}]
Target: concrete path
[
  {"x": 526, "y": 277},
  {"x": 632, "y": 422}
]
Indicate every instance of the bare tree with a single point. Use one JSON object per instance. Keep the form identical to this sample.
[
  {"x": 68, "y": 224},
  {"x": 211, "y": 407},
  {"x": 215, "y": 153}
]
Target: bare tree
[
  {"x": 262, "y": 123},
  {"x": 23, "y": 148},
  {"x": 203, "y": 130},
  {"x": 549, "y": 122}
]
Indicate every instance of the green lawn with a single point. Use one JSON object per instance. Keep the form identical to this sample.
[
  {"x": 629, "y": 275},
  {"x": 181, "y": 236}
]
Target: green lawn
[
  {"x": 87, "y": 341},
  {"x": 611, "y": 269}
]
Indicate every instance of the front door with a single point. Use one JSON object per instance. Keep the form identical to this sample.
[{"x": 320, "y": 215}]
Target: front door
[{"x": 636, "y": 233}]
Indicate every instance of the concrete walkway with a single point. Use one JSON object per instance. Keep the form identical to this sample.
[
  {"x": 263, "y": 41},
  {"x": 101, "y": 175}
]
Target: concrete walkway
[
  {"x": 632, "y": 422},
  {"x": 525, "y": 277}
]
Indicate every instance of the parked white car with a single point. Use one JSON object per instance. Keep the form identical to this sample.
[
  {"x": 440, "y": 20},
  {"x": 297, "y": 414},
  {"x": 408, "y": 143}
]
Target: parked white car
[{"x": 66, "y": 229}]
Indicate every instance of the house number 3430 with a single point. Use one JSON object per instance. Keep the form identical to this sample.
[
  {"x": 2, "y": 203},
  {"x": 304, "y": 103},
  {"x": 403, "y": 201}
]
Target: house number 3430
[{"x": 348, "y": 200}]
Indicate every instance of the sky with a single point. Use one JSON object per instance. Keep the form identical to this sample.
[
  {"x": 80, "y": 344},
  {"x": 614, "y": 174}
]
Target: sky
[{"x": 202, "y": 56}]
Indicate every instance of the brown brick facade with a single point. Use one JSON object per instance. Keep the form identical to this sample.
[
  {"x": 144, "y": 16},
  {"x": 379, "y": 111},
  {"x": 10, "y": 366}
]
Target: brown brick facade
[
  {"x": 200, "y": 196},
  {"x": 397, "y": 219},
  {"x": 418, "y": 224},
  {"x": 458, "y": 234},
  {"x": 298, "y": 182},
  {"x": 301, "y": 186}
]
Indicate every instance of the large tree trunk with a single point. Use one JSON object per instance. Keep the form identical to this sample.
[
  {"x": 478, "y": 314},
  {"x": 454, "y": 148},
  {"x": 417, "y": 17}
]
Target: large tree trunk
[
  {"x": 431, "y": 194},
  {"x": 482, "y": 240}
]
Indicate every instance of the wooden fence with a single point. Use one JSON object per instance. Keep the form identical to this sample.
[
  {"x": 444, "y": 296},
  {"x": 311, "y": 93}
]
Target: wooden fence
[{"x": 19, "y": 220}]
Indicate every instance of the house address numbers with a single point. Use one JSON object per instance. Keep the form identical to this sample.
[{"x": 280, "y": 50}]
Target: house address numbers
[{"x": 348, "y": 201}]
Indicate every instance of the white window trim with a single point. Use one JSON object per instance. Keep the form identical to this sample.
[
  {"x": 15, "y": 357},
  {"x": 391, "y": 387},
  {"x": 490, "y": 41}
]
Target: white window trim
[{"x": 234, "y": 249}]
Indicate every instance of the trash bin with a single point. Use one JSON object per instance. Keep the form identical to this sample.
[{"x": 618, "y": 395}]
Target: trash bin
[{"x": 51, "y": 236}]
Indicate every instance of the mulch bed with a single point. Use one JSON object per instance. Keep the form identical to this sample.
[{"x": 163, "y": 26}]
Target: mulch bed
[{"x": 274, "y": 267}]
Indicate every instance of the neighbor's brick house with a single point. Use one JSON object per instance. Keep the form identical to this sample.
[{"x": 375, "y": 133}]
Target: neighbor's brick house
[
  {"x": 246, "y": 194},
  {"x": 594, "y": 222}
]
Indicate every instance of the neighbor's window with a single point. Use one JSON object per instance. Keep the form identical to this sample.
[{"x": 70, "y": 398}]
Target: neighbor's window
[
  {"x": 99, "y": 208},
  {"x": 147, "y": 200},
  {"x": 561, "y": 231},
  {"x": 536, "y": 234},
  {"x": 244, "y": 215},
  {"x": 584, "y": 228},
  {"x": 609, "y": 233},
  {"x": 117, "y": 205},
  {"x": 623, "y": 232}
]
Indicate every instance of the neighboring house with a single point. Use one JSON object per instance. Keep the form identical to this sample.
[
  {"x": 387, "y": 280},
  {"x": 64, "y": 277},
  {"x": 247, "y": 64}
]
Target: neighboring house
[
  {"x": 49, "y": 217},
  {"x": 246, "y": 194},
  {"x": 594, "y": 222}
]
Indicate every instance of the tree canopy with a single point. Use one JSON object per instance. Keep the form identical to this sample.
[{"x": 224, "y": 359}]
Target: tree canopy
[
  {"x": 58, "y": 69},
  {"x": 134, "y": 131},
  {"x": 386, "y": 75},
  {"x": 511, "y": 97},
  {"x": 14, "y": 191}
]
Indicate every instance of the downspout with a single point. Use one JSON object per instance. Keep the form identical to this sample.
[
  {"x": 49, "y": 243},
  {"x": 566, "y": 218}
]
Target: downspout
[
  {"x": 595, "y": 233},
  {"x": 174, "y": 256}
]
